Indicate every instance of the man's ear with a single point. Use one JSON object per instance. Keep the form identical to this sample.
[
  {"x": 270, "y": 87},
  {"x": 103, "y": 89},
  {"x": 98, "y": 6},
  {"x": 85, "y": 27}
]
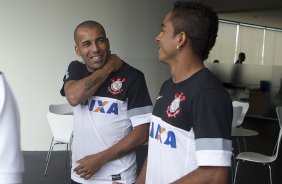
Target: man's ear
[
  {"x": 182, "y": 39},
  {"x": 77, "y": 51},
  {"x": 109, "y": 46}
]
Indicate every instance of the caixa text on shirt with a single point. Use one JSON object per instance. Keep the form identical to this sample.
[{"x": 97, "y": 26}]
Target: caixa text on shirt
[
  {"x": 101, "y": 106},
  {"x": 162, "y": 135}
]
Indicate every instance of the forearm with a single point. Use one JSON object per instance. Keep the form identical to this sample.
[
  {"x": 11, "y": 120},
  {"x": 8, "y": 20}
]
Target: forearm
[
  {"x": 90, "y": 164},
  {"x": 80, "y": 90},
  {"x": 137, "y": 137},
  {"x": 142, "y": 176},
  {"x": 205, "y": 175}
]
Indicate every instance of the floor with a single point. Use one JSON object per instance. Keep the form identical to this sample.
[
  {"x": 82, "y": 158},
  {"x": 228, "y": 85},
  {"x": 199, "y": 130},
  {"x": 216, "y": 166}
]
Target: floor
[
  {"x": 248, "y": 173},
  {"x": 263, "y": 143},
  {"x": 58, "y": 171}
]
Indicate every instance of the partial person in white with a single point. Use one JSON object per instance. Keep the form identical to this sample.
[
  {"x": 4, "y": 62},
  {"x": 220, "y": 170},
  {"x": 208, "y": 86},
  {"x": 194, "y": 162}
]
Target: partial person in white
[{"x": 11, "y": 158}]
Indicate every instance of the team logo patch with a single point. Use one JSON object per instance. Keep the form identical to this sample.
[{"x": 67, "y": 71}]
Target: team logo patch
[
  {"x": 162, "y": 135},
  {"x": 173, "y": 109},
  {"x": 116, "y": 86}
]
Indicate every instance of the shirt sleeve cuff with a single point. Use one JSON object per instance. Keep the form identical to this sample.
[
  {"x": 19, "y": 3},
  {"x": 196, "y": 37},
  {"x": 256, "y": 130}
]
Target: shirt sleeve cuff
[
  {"x": 214, "y": 158},
  {"x": 141, "y": 119}
]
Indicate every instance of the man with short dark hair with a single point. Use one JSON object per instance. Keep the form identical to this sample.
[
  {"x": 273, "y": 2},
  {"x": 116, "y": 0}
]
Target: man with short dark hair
[
  {"x": 190, "y": 130},
  {"x": 241, "y": 58}
]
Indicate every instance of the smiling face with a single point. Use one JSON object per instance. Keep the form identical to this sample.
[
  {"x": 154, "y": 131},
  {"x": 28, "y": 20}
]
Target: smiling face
[
  {"x": 92, "y": 46},
  {"x": 167, "y": 41}
]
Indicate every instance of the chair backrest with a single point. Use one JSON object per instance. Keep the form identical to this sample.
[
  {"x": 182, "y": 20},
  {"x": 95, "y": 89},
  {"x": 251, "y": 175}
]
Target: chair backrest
[
  {"x": 61, "y": 126},
  {"x": 65, "y": 108},
  {"x": 237, "y": 111},
  {"x": 279, "y": 115},
  {"x": 245, "y": 106}
]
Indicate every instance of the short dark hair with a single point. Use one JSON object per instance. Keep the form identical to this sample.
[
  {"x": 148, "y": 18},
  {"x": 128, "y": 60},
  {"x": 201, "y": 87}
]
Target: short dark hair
[
  {"x": 242, "y": 55},
  {"x": 199, "y": 22},
  {"x": 89, "y": 24}
]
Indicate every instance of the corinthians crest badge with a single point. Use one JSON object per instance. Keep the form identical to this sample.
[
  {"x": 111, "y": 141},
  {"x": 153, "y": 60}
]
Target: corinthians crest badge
[
  {"x": 173, "y": 109},
  {"x": 116, "y": 86}
]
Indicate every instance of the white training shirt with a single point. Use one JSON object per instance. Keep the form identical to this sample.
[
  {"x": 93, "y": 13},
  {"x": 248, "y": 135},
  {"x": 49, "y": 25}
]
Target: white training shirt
[
  {"x": 119, "y": 105},
  {"x": 190, "y": 127}
]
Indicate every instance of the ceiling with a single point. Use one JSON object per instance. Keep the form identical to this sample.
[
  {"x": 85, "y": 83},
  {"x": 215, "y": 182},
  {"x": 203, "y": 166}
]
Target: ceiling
[
  {"x": 235, "y": 6},
  {"x": 259, "y": 12}
]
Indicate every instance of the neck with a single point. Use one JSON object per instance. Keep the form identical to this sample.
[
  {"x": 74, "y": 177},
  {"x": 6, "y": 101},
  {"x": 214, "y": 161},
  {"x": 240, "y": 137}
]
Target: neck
[{"x": 184, "y": 68}]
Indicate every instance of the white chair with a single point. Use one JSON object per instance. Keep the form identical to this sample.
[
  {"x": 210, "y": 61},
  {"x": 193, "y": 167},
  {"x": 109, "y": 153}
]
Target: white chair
[
  {"x": 65, "y": 108},
  {"x": 237, "y": 111},
  {"x": 238, "y": 124},
  {"x": 260, "y": 158},
  {"x": 245, "y": 106},
  {"x": 61, "y": 127}
]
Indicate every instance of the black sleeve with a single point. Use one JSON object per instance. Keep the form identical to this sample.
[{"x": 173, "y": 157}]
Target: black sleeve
[
  {"x": 212, "y": 114},
  {"x": 74, "y": 72},
  {"x": 138, "y": 94}
]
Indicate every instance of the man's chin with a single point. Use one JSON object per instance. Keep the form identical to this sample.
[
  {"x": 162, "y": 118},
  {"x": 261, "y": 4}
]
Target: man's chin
[
  {"x": 161, "y": 59},
  {"x": 94, "y": 67}
]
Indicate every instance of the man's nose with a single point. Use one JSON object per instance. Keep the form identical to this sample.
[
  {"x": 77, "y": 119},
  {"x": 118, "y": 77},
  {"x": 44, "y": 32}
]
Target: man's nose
[
  {"x": 158, "y": 37},
  {"x": 94, "y": 47}
]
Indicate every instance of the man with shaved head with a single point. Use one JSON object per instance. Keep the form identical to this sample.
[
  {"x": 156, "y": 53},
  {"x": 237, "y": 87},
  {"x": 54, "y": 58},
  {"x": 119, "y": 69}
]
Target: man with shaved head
[{"x": 112, "y": 108}]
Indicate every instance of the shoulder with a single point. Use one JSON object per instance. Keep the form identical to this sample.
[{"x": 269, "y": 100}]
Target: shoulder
[
  {"x": 206, "y": 84},
  {"x": 76, "y": 66},
  {"x": 76, "y": 63},
  {"x": 131, "y": 69},
  {"x": 131, "y": 72},
  {"x": 167, "y": 84},
  {"x": 211, "y": 88},
  {"x": 206, "y": 79}
]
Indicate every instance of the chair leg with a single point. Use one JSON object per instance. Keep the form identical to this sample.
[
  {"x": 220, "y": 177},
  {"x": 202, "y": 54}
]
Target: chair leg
[
  {"x": 238, "y": 144},
  {"x": 270, "y": 175},
  {"x": 70, "y": 157},
  {"x": 67, "y": 155},
  {"x": 231, "y": 170},
  {"x": 236, "y": 171},
  {"x": 234, "y": 160},
  {"x": 48, "y": 154},
  {"x": 232, "y": 166},
  {"x": 244, "y": 144},
  {"x": 47, "y": 164}
]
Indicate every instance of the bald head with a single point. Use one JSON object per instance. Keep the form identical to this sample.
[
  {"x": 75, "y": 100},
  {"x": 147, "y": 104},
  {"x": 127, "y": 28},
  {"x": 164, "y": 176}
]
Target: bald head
[{"x": 89, "y": 24}]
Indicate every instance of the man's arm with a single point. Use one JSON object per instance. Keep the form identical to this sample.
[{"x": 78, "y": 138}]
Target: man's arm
[
  {"x": 89, "y": 165},
  {"x": 79, "y": 90},
  {"x": 142, "y": 176},
  {"x": 206, "y": 175}
]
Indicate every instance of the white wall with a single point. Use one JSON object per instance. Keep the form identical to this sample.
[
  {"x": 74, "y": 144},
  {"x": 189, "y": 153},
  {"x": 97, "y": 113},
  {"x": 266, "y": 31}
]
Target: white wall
[{"x": 37, "y": 45}]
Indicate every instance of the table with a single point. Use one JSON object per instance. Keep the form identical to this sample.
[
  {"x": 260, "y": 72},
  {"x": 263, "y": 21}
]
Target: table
[{"x": 242, "y": 132}]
